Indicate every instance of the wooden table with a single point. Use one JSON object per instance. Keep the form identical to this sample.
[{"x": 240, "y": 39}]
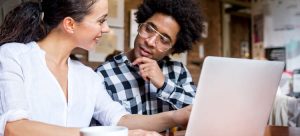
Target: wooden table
[
  {"x": 270, "y": 131},
  {"x": 282, "y": 131}
]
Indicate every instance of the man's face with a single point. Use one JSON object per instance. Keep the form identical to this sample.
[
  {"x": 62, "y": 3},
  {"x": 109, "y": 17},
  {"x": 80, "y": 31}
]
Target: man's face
[{"x": 156, "y": 37}]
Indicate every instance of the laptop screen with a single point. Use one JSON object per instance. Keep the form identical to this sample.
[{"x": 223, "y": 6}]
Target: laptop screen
[{"x": 234, "y": 97}]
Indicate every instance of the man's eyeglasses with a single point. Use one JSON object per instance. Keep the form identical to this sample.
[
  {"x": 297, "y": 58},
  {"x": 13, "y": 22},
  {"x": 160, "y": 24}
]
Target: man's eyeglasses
[{"x": 162, "y": 43}]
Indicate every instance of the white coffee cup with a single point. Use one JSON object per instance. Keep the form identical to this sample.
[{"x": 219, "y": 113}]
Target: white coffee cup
[{"x": 104, "y": 131}]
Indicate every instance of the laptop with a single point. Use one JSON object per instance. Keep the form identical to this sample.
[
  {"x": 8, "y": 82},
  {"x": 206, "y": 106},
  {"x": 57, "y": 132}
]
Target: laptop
[{"x": 234, "y": 97}]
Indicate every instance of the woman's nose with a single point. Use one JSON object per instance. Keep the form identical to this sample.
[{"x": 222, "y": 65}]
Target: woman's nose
[{"x": 105, "y": 27}]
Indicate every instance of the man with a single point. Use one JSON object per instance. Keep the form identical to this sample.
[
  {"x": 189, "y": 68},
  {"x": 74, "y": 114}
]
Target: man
[{"x": 144, "y": 80}]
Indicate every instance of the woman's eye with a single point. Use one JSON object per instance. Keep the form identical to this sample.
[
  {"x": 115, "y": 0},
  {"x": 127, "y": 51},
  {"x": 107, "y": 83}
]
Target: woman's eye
[{"x": 102, "y": 21}]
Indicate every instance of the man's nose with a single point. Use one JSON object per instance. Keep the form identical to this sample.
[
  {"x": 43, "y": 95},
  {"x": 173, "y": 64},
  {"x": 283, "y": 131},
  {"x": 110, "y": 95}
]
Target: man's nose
[{"x": 151, "y": 41}]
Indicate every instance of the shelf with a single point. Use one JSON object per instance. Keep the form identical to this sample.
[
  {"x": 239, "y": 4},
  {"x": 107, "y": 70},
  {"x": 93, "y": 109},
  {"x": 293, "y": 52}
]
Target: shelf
[
  {"x": 197, "y": 62},
  {"x": 238, "y": 14},
  {"x": 238, "y": 3}
]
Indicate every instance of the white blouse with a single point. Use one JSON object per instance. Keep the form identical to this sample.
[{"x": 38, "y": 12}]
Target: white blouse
[{"x": 28, "y": 90}]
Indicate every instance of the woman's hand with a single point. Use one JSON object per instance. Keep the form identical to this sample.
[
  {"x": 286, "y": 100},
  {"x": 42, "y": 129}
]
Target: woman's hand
[
  {"x": 181, "y": 116},
  {"x": 140, "y": 132}
]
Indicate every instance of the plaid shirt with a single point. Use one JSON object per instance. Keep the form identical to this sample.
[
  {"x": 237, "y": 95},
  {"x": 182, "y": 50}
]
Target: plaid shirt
[{"x": 126, "y": 86}]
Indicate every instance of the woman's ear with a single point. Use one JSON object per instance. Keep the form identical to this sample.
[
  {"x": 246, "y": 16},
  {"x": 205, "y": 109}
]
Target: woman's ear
[{"x": 69, "y": 25}]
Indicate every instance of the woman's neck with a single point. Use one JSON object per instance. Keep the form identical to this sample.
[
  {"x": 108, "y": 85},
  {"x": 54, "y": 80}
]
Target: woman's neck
[{"x": 57, "y": 48}]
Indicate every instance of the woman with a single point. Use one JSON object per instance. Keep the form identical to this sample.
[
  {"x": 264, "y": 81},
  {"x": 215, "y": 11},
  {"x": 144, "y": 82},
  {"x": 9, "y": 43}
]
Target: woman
[{"x": 42, "y": 91}]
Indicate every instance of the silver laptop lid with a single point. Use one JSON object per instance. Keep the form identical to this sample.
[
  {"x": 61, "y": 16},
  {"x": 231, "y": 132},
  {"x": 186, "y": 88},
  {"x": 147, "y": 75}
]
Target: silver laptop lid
[{"x": 234, "y": 97}]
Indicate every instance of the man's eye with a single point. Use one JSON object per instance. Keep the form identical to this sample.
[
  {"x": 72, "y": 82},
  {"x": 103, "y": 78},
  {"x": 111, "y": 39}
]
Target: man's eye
[
  {"x": 164, "y": 40},
  {"x": 150, "y": 29}
]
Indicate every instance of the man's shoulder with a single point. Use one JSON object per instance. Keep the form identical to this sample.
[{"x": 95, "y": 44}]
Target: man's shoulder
[
  {"x": 107, "y": 65},
  {"x": 173, "y": 63},
  {"x": 175, "y": 67},
  {"x": 111, "y": 63}
]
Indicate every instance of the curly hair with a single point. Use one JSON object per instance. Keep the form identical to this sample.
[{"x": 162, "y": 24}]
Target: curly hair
[{"x": 186, "y": 13}]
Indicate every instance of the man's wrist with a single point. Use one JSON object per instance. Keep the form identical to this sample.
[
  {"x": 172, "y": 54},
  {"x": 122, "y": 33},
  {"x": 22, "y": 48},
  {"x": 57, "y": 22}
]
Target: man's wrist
[{"x": 162, "y": 85}]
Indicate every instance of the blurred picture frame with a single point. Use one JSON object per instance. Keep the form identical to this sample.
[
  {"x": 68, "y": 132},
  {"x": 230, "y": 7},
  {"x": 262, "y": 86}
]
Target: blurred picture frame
[
  {"x": 133, "y": 28},
  {"x": 116, "y": 13},
  {"x": 114, "y": 40},
  {"x": 204, "y": 33}
]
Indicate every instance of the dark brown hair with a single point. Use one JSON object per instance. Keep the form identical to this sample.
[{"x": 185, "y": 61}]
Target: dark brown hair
[{"x": 32, "y": 21}]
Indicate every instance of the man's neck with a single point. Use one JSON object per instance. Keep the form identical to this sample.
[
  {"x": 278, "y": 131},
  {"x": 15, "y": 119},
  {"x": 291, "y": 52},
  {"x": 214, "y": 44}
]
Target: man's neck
[{"x": 130, "y": 55}]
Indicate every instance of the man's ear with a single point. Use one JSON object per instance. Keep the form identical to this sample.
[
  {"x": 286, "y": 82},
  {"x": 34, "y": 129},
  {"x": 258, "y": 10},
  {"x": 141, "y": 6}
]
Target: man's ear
[{"x": 69, "y": 24}]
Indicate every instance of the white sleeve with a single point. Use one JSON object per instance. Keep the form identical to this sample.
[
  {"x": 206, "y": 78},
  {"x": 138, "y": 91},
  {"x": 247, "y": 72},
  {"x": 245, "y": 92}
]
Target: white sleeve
[
  {"x": 13, "y": 103},
  {"x": 107, "y": 111}
]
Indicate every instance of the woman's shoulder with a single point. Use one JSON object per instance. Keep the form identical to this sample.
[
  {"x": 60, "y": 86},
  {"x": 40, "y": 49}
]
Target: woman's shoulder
[
  {"x": 84, "y": 72},
  {"x": 15, "y": 48},
  {"x": 79, "y": 66}
]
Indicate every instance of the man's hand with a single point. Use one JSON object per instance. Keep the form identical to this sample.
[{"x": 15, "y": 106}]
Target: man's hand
[
  {"x": 181, "y": 116},
  {"x": 150, "y": 71},
  {"x": 140, "y": 132}
]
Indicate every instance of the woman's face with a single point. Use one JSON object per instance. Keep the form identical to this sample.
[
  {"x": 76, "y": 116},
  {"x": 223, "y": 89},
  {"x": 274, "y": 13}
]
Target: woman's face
[{"x": 90, "y": 29}]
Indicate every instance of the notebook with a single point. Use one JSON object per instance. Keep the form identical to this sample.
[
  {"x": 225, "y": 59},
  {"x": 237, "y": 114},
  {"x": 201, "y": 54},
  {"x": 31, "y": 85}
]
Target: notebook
[{"x": 234, "y": 97}]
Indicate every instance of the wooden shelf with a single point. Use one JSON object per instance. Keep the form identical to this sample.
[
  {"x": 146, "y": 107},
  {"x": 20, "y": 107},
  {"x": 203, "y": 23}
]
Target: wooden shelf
[
  {"x": 197, "y": 62},
  {"x": 245, "y": 15},
  {"x": 238, "y": 3}
]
